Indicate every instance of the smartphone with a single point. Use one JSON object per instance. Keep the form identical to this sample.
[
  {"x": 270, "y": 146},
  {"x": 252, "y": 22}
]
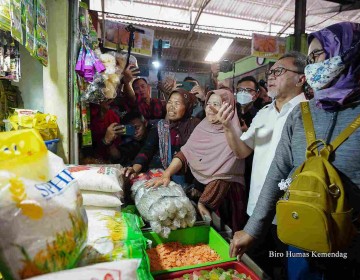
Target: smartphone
[
  {"x": 141, "y": 71},
  {"x": 187, "y": 85},
  {"x": 129, "y": 130}
]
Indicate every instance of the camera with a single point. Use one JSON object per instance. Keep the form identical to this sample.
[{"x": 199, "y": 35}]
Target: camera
[{"x": 226, "y": 66}]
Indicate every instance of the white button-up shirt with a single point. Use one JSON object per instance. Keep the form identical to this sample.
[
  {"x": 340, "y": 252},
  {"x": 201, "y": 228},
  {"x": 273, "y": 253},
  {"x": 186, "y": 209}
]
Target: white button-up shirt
[{"x": 263, "y": 137}]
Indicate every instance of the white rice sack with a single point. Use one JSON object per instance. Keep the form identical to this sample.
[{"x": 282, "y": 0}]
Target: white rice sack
[
  {"x": 43, "y": 224},
  {"x": 101, "y": 199},
  {"x": 112, "y": 235},
  {"x": 98, "y": 178},
  {"x": 97, "y": 228},
  {"x": 117, "y": 270}
]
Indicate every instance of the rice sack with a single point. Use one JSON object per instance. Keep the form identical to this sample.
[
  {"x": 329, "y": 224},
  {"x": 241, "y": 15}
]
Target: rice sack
[{"x": 43, "y": 224}]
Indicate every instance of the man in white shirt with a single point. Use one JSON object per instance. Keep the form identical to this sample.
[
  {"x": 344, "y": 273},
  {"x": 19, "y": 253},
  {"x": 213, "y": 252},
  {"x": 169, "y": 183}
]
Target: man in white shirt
[{"x": 285, "y": 85}]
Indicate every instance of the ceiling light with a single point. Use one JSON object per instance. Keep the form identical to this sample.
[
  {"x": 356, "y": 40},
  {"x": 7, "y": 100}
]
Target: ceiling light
[
  {"x": 156, "y": 64},
  {"x": 218, "y": 50}
]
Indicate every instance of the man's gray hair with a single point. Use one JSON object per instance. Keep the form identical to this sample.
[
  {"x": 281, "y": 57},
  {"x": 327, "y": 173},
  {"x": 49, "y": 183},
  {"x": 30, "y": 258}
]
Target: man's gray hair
[{"x": 299, "y": 59}]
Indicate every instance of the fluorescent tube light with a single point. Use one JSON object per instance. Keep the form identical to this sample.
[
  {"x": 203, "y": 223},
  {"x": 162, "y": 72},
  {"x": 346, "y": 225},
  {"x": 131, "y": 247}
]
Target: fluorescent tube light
[{"x": 218, "y": 50}]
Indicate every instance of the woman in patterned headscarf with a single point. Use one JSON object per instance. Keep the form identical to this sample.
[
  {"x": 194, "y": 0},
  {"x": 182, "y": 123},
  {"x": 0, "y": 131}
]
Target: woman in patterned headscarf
[
  {"x": 213, "y": 163},
  {"x": 336, "y": 81},
  {"x": 169, "y": 135}
]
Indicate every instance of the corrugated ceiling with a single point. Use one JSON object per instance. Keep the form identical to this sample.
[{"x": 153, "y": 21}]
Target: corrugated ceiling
[{"x": 231, "y": 18}]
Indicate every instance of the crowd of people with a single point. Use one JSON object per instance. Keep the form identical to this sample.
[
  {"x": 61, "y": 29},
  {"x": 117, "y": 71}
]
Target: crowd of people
[{"x": 229, "y": 150}]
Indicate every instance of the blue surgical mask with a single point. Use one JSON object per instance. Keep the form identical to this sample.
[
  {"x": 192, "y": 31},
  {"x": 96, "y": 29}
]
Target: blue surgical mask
[
  {"x": 318, "y": 75},
  {"x": 244, "y": 97}
]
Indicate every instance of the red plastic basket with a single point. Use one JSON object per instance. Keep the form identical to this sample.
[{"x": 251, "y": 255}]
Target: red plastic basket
[{"x": 238, "y": 266}]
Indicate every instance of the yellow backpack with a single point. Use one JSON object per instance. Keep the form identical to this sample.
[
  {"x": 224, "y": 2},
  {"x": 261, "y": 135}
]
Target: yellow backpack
[{"x": 313, "y": 214}]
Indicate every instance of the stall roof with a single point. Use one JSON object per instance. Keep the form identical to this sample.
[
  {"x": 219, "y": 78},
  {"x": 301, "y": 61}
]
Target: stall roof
[{"x": 175, "y": 19}]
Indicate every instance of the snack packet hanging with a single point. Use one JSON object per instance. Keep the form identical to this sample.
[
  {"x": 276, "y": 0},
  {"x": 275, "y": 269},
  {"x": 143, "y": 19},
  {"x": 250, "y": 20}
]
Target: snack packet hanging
[
  {"x": 96, "y": 62},
  {"x": 80, "y": 64},
  {"x": 41, "y": 35},
  {"x": 29, "y": 17},
  {"x": 15, "y": 11},
  {"x": 5, "y": 21},
  {"x": 94, "y": 90},
  {"x": 45, "y": 204}
]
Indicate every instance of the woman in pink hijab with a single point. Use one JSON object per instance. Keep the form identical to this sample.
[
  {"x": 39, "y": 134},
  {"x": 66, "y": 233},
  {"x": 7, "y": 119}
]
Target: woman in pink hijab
[{"x": 213, "y": 164}]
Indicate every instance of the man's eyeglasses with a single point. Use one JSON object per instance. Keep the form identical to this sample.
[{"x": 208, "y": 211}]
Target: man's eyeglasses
[
  {"x": 313, "y": 55},
  {"x": 278, "y": 71},
  {"x": 249, "y": 90}
]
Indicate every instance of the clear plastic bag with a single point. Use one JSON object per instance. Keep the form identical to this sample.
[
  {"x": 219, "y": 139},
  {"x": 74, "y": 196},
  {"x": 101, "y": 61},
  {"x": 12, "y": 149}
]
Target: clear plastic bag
[{"x": 166, "y": 208}]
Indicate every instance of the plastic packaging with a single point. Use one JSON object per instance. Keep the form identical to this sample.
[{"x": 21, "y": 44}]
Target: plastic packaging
[
  {"x": 166, "y": 208},
  {"x": 102, "y": 199},
  {"x": 51, "y": 145},
  {"x": 119, "y": 270},
  {"x": 43, "y": 224},
  {"x": 98, "y": 178},
  {"x": 112, "y": 235}
]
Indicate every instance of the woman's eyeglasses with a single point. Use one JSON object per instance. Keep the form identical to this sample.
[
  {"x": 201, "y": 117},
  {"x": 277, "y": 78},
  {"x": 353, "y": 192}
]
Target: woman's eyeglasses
[
  {"x": 313, "y": 55},
  {"x": 278, "y": 71}
]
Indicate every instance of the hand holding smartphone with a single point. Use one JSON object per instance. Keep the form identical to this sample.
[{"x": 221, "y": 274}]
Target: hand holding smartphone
[
  {"x": 128, "y": 130},
  {"x": 187, "y": 85}
]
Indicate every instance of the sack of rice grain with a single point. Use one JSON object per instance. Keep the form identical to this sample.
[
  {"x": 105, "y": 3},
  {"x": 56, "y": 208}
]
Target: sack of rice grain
[{"x": 43, "y": 224}]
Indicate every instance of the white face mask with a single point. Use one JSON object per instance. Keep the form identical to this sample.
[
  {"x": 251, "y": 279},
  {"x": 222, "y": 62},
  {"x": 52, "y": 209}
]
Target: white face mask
[
  {"x": 318, "y": 75},
  {"x": 272, "y": 94},
  {"x": 243, "y": 97}
]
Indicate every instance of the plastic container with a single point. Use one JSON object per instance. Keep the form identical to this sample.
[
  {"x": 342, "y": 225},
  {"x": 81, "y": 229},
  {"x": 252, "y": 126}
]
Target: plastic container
[
  {"x": 238, "y": 266},
  {"x": 193, "y": 235},
  {"x": 51, "y": 145}
]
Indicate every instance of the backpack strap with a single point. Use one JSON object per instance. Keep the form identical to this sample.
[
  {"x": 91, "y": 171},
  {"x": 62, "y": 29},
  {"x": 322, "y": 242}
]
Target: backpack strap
[
  {"x": 309, "y": 129},
  {"x": 345, "y": 134}
]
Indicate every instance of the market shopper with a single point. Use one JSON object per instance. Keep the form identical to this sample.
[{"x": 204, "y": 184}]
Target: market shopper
[
  {"x": 285, "y": 81},
  {"x": 212, "y": 162},
  {"x": 168, "y": 137},
  {"x": 334, "y": 74},
  {"x": 247, "y": 93},
  {"x": 150, "y": 108},
  {"x": 109, "y": 113},
  {"x": 130, "y": 144},
  {"x": 194, "y": 88}
]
